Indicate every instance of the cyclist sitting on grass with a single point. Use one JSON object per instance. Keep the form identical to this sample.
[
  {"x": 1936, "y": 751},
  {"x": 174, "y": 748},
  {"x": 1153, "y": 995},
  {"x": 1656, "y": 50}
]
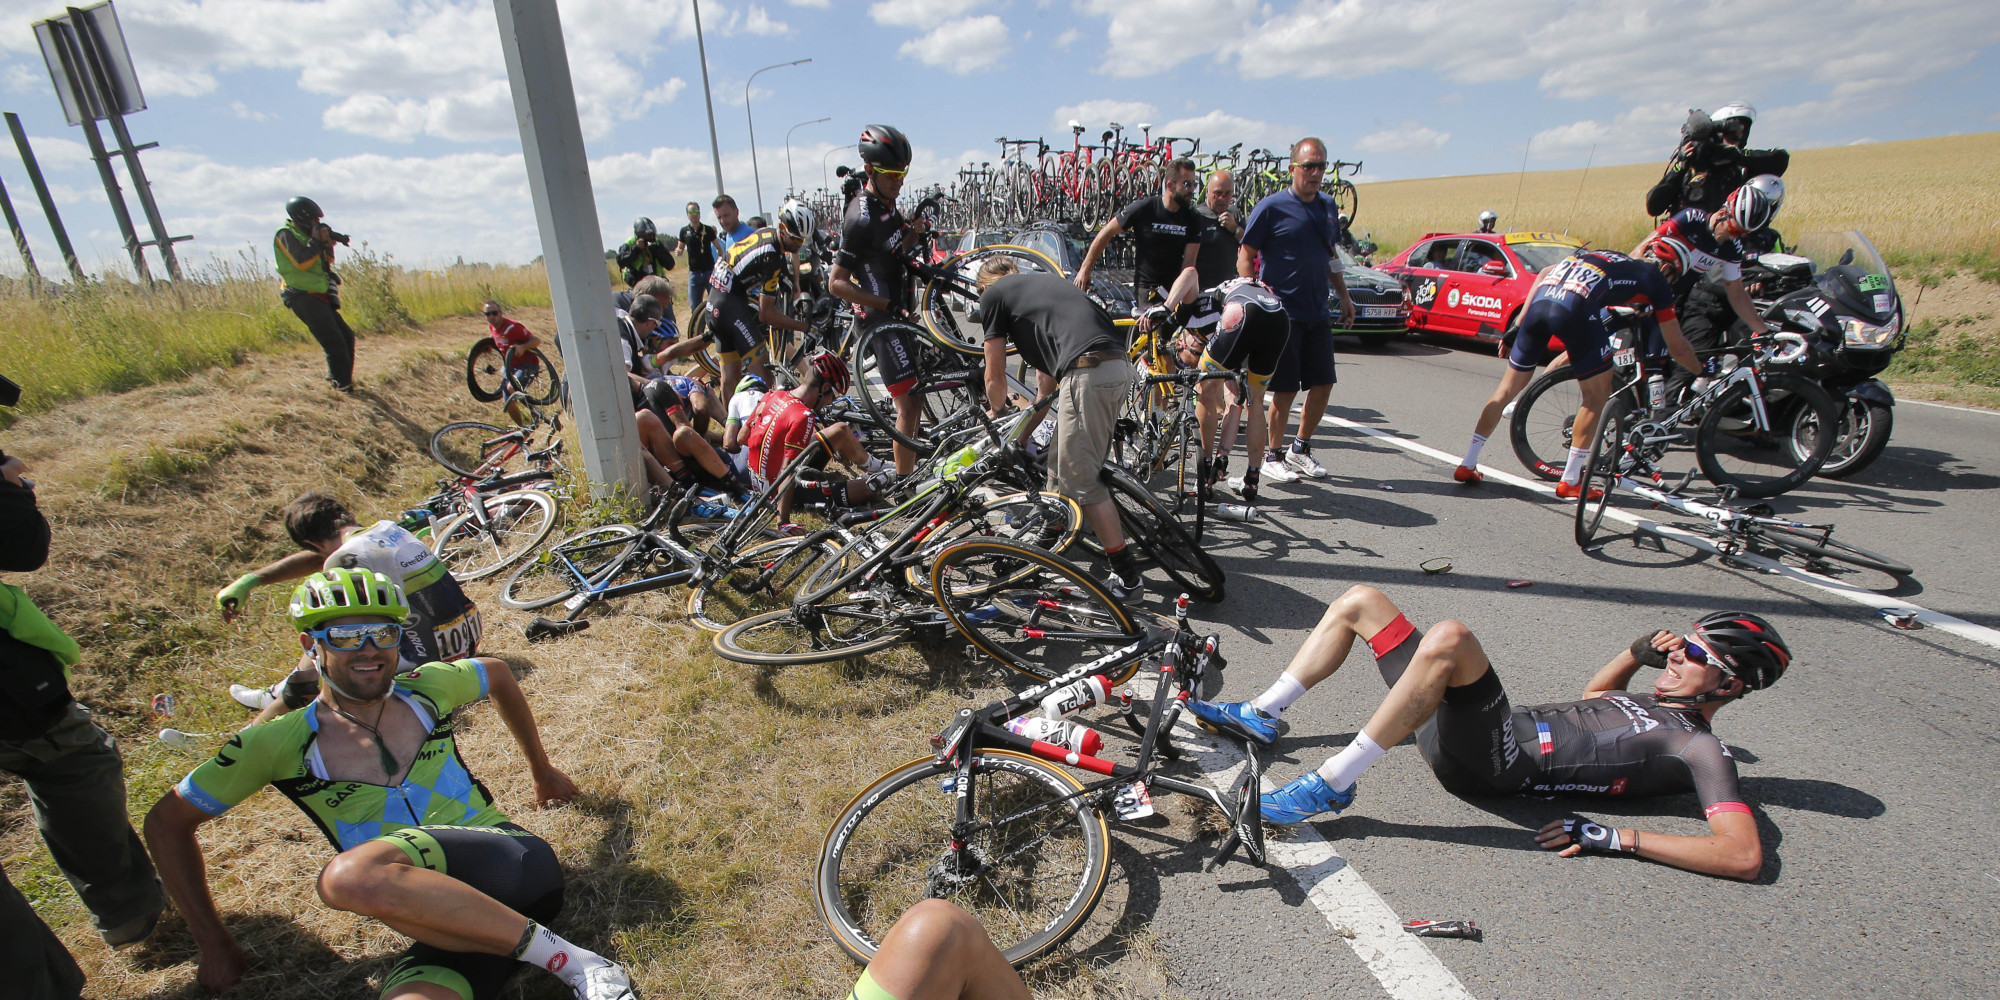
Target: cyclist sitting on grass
[
  {"x": 374, "y": 762},
  {"x": 443, "y": 623},
  {"x": 785, "y": 423},
  {"x": 749, "y": 392},
  {"x": 1609, "y": 743},
  {"x": 672, "y": 448}
]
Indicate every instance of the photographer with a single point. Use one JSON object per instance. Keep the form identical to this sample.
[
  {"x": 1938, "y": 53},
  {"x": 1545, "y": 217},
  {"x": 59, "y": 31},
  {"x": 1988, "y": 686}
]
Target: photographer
[
  {"x": 644, "y": 255},
  {"x": 74, "y": 775},
  {"x": 304, "y": 249},
  {"x": 1712, "y": 161}
]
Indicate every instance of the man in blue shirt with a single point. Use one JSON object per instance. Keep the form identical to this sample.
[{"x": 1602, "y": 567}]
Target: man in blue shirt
[
  {"x": 729, "y": 225},
  {"x": 1288, "y": 243}
]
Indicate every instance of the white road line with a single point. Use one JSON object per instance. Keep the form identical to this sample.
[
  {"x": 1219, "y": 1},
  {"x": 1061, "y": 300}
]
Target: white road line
[
  {"x": 1948, "y": 406},
  {"x": 1867, "y": 598}
]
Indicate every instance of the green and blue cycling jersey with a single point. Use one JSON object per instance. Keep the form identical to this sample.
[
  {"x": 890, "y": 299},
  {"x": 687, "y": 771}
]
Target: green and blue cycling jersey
[{"x": 283, "y": 753}]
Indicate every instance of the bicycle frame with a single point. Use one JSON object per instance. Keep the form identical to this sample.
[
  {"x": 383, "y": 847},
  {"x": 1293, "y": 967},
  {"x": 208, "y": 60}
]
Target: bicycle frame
[{"x": 1721, "y": 520}]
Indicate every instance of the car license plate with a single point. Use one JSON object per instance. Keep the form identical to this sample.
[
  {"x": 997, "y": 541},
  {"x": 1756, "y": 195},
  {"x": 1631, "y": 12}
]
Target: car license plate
[
  {"x": 1624, "y": 356},
  {"x": 1377, "y": 312}
]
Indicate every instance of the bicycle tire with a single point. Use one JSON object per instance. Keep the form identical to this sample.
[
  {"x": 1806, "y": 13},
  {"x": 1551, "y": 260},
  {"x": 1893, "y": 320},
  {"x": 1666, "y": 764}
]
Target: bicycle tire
[
  {"x": 866, "y": 879},
  {"x": 1541, "y": 428},
  {"x": 542, "y": 581},
  {"x": 945, "y": 315},
  {"x": 1347, "y": 198},
  {"x": 1758, "y": 465},
  {"x": 966, "y": 577},
  {"x": 1156, "y": 530},
  {"x": 542, "y": 385},
  {"x": 482, "y": 371},
  {"x": 1045, "y": 520},
  {"x": 728, "y": 597},
  {"x": 704, "y": 358},
  {"x": 1600, "y": 471},
  {"x": 1809, "y": 546},
  {"x": 859, "y": 626},
  {"x": 465, "y": 447},
  {"x": 521, "y": 520},
  {"x": 943, "y": 388}
]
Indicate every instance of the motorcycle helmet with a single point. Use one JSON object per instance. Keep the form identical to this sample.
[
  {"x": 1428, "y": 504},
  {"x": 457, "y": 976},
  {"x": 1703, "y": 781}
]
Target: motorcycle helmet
[
  {"x": 1750, "y": 207},
  {"x": 1772, "y": 186},
  {"x": 304, "y": 212},
  {"x": 1733, "y": 120},
  {"x": 797, "y": 219},
  {"x": 1744, "y": 646},
  {"x": 884, "y": 147},
  {"x": 1487, "y": 219},
  {"x": 642, "y": 228}
]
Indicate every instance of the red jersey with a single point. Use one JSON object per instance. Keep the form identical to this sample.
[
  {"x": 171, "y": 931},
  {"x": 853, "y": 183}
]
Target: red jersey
[
  {"x": 780, "y": 427},
  {"x": 507, "y": 332}
]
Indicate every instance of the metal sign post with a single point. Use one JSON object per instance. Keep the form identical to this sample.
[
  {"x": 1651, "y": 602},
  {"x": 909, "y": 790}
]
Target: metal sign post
[
  {"x": 531, "y": 39},
  {"x": 42, "y": 193}
]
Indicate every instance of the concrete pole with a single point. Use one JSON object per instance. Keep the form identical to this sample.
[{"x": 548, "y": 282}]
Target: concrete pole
[{"x": 531, "y": 39}]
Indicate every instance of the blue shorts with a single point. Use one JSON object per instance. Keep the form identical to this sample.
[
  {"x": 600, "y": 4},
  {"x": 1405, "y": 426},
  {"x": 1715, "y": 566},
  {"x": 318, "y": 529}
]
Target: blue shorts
[
  {"x": 1307, "y": 360},
  {"x": 1583, "y": 335}
]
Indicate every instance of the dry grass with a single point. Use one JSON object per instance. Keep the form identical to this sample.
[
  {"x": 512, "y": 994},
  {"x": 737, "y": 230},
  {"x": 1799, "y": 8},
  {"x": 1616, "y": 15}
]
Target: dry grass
[
  {"x": 1921, "y": 198},
  {"x": 708, "y": 785}
]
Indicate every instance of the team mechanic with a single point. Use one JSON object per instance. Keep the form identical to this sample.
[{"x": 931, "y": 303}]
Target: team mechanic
[
  {"x": 755, "y": 265},
  {"x": 1248, "y": 335},
  {"x": 869, "y": 271},
  {"x": 1609, "y": 743},
  {"x": 374, "y": 762}
]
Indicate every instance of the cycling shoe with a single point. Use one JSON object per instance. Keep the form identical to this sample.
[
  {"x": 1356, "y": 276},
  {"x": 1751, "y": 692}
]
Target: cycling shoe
[
  {"x": 1304, "y": 798},
  {"x": 1236, "y": 718}
]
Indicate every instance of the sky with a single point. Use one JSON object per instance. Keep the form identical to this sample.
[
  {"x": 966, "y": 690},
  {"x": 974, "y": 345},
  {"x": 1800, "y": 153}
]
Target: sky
[{"x": 396, "y": 116}]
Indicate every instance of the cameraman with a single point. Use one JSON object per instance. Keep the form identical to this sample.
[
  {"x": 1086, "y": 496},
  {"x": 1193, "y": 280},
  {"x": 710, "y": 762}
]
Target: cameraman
[
  {"x": 312, "y": 291},
  {"x": 645, "y": 254},
  {"x": 1712, "y": 161},
  {"x": 75, "y": 778}
]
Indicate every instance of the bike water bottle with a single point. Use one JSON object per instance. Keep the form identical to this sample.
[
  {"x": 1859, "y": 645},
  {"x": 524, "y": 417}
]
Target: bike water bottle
[
  {"x": 1235, "y": 512},
  {"x": 1076, "y": 697},
  {"x": 1068, "y": 735},
  {"x": 1656, "y": 392}
]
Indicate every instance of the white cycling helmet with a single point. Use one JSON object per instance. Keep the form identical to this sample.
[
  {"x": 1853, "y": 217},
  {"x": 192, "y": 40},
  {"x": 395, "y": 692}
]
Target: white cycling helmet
[
  {"x": 1772, "y": 186},
  {"x": 1734, "y": 109},
  {"x": 1750, "y": 207},
  {"x": 797, "y": 219}
]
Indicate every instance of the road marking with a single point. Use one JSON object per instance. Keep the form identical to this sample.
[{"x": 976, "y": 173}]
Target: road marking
[
  {"x": 1866, "y": 598},
  {"x": 1948, "y": 406}
]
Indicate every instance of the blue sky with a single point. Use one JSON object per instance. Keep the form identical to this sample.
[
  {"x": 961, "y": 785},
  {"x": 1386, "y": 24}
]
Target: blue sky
[{"x": 396, "y": 115}]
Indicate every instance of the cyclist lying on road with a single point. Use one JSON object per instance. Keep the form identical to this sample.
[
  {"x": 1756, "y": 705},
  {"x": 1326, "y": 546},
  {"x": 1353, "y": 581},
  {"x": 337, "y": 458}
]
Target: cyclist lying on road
[
  {"x": 1609, "y": 743},
  {"x": 374, "y": 763},
  {"x": 785, "y": 423},
  {"x": 443, "y": 624}
]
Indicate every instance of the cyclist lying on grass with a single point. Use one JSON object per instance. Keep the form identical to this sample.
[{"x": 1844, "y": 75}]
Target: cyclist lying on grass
[
  {"x": 1609, "y": 743},
  {"x": 374, "y": 762},
  {"x": 785, "y": 423},
  {"x": 443, "y": 623},
  {"x": 672, "y": 447}
]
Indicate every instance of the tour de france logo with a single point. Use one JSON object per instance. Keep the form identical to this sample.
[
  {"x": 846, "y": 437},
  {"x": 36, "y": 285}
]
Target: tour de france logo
[{"x": 1427, "y": 293}]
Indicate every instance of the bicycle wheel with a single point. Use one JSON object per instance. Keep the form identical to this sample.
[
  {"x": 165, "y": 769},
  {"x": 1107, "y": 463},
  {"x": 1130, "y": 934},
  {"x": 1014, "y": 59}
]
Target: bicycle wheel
[
  {"x": 1161, "y": 536},
  {"x": 1544, "y": 416},
  {"x": 546, "y": 579},
  {"x": 517, "y": 523},
  {"x": 942, "y": 383},
  {"x": 761, "y": 579},
  {"x": 1767, "y": 461},
  {"x": 945, "y": 310},
  {"x": 1047, "y": 521},
  {"x": 1601, "y": 472},
  {"x": 1807, "y": 545},
  {"x": 473, "y": 448},
  {"x": 1033, "y": 865},
  {"x": 538, "y": 380},
  {"x": 1347, "y": 198},
  {"x": 705, "y": 358},
  {"x": 838, "y": 629},
  {"x": 482, "y": 371},
  {"x": 1034, "y": 611}
]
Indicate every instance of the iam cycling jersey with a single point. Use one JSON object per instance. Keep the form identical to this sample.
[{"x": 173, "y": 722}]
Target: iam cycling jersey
[
  {"x": 444, "y": 623},
  {"x": 1249, "y": 328},
  {"x": 436, "y": 791},
  {"x": 1598, "y": 279},
  {"x": 1724, "y": 257},
  {"x": 871, "y": 247},
  {"x": 752, "y": 266},
  {"x": 779, "y": 429}
]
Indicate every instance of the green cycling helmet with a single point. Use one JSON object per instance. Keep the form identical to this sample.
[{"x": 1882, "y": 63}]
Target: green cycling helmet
[{"x": 338, "y": 593}]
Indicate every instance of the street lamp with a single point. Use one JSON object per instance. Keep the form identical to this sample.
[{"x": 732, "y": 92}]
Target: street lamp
[
  {"x": 825, "y": 184},
  {"x": 791, "y": 185},
  {"x": 754, "y": 173},
  {"x": 701, "y": 52}
]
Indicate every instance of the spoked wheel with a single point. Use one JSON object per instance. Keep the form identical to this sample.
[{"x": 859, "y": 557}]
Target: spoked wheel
[
  {"x": 547, "y": 578},
  {"x": 893, "y": 354},
  {"x": 1032, "y": 610},
  {"x": 705, "y": 358},
  {"x": 946, "y": 311},
  {"x": 1777, "y": 457},
  {"x": 1047, "y": 521},
  {"x": 831, "y": 630},
  {"x": 1864, "y": 431},
  {"x": 1807, "y": 546},
  {"x": 760, "y": 580},
  {"x": 1161, "y": 536},
  {"x": 1544, "y": 416},
  {"x": 516, "y": 524},
  {"x": 1031, "y": 868},
  {"x": 472, "y": 448},
  {"x": 1600, "y": 473}
]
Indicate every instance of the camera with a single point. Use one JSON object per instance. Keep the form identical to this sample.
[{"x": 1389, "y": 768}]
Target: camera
[{"x": 340, "y": 238}]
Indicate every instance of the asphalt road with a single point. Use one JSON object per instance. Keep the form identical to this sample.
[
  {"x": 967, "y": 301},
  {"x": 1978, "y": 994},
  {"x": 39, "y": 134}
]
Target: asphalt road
[{"x": 1871, "y": 768}]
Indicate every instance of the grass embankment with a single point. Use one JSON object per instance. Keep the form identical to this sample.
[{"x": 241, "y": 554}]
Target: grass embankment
[{"x": 708, "y": 786}]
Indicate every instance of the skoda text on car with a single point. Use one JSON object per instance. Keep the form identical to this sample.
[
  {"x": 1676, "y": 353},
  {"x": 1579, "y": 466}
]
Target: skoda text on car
[{"x": 1473, "y": 284}]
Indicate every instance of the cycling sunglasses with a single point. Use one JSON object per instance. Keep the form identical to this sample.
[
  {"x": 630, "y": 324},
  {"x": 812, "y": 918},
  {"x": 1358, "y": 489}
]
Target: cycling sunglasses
[
  {"x": 1695, "y": 651},
  {"x": 382, "y": 635},
  {"x": 891, "y": 173},
  {"x": 492, "y": 313},
  {"x": 1311, "y": 165}
]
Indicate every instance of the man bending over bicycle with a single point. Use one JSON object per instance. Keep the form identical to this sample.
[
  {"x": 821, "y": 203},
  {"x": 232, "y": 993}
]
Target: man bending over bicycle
[
  {"x": 374, "y": 762},
  {"x": 785, "y": 423},
  {"x": 1248, "y": 333},
  {"x": 443, "y": 623},
  {"x": 1443, "y": 688}
]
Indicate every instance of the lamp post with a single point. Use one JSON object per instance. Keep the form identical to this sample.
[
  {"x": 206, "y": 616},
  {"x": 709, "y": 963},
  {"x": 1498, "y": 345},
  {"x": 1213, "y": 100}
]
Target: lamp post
[
  {"x": 791, "y": 185},
  {"x": 701, "y": 52},
  {"x": 825, "y": 183},
  {"x": 755, "y": 175}
]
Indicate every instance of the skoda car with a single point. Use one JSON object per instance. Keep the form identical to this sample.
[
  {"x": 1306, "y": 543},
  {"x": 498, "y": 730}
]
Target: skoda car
[
  {"x": 1381, "y": 309},
  {"x": 1474, "y": 284}
]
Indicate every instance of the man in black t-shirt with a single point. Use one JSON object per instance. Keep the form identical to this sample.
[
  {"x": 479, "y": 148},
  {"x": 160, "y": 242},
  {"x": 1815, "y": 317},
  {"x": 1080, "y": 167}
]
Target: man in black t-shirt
[
  {"x": 699, "y": 240},
  {"x": 1216, "y": 261},
  {"x": 1076, "y": 350},
  {"x": 1443, "y": 689},
  {"x": 1166, "y": 237}
]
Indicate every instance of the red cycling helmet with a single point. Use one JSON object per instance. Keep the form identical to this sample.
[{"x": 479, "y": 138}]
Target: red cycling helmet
[
  {"x": 832, "y": 371},
  {"x": 1671, "y": 255},
  {"x": 885, "y": 147}
]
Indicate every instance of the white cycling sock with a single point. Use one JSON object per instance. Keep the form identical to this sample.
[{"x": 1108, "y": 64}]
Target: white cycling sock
[
  {"x": 1574, "y": 470},
  {"x": 1342, "y": 768},
  {"x": 874, "y": 465},
  {"x": 1472, "y": 453},
  {"x": 544, "y": 949},
  {"x": 1279, "y": 696}
]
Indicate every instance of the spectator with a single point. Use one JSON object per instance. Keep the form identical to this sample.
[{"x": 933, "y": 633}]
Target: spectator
[
  {"x": 304, "y": 248},
  {"x": 729, "y": 225},
  {"x": 644, "y": 255},
  {"x": 1216, "y": 261},
  {"x": 1289, "y": 242},
  {"x": 1166, "y": 238},
  {"x": 75, "y": 777},
  {"x": 698, "y": 239}
]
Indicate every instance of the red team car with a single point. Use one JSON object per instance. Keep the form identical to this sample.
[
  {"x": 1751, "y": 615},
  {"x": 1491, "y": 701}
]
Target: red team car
[{"x": 1473, "y": 284}]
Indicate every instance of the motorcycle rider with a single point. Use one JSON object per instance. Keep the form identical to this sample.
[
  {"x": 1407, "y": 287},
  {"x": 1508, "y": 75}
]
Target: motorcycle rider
[
  {"x": 1712, "y": 161},
  {"x": 1487, "y": 220}
]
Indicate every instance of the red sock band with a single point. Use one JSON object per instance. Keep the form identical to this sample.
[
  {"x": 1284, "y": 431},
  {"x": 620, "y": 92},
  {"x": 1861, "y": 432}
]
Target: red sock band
[{"x": 1392, "y": 635}]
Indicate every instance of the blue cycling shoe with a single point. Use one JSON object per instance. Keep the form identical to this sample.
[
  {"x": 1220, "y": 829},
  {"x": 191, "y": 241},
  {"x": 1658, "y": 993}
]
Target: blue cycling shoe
[
  {"x": 1235, "y": 718},
  {"x": 1303, "y": 799}
]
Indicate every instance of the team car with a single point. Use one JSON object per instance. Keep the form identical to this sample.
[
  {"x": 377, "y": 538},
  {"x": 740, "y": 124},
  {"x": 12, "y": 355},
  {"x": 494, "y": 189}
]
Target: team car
[
  {"x": 1474, "y": 284},
  {"x": 1381, "y": 309}
]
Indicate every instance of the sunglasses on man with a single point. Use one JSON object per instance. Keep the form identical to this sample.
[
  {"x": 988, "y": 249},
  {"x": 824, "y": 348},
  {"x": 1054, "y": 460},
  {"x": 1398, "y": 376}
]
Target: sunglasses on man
[{"x": 347, "y": 638}]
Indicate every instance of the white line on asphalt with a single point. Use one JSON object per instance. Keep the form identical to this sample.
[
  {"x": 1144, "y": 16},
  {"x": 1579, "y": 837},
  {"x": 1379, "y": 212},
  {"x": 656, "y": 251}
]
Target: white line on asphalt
[
  {"x": 1866, "y": 598},
  {"x": 1948, "y": 406}
]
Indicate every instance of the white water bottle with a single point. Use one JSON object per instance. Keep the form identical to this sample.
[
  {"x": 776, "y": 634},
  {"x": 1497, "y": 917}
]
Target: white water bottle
[
  {"x": 1235, "y": 512},
  {"x": 1076, "y": 697},
  {"x": 1656, "y": 392},
  {"x": 1077, "y": 739}
]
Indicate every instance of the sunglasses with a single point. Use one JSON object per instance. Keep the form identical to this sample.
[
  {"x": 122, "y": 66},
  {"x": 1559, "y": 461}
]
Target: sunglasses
[
  {"x": 493, "y": 315},
  {"x": 888, "y": 172},
  {"x": 384, "y": 635},
  {"x": 1695, "y": 651},
  {"x": 1312, "y": 165}
]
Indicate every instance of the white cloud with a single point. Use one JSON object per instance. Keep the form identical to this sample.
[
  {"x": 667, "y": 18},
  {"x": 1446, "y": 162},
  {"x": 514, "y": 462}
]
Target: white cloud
[
  {"x": 1067, "y": 38},
  {"x": 1407, "y": 138},
  {"x": 820, "y": 4},
  {"x": 1647, "y": 132},
  {"x": 246, "y": 112},
  {"x": 1151, "y": 36},
  {"x": 965, "y": 45},
  {"x": 1094, "y": 115},
  {"x": 1218, "y": 129},
  {"x": 923, "y": 14},
  {"x": 759, "y": 22}
]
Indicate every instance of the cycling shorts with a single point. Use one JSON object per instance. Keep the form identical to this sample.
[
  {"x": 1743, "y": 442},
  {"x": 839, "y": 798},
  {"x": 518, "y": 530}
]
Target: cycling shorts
[
  {"x": 866, "y": 989},
  {"x": 895, "y": 357},
  {"x": 734, "y": 326},
  {"x": 1254, "y": 346},
  {"x": 505, "y": 862},
  {"x": 1469, "y": 742},
  {"x": 1582, "y": 334}
]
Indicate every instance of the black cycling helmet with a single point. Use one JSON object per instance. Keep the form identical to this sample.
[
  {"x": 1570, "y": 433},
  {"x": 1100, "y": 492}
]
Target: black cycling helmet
[
  {"x": 642, "y": 228},
  {"x": 303, "y": 211},
  {"x": 885, "y": 147},
  {"x": 1744, "y": 646}
]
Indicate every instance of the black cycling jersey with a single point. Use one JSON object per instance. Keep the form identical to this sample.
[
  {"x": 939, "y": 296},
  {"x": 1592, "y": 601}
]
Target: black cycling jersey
[
  {"x": 1160, "y": 238},
  {"x": 1255, "y": 343},
  {"x": 1594, "y": 279},
  {"x": 872, "y": 248},
  {"x": 752, "y": 266}
]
